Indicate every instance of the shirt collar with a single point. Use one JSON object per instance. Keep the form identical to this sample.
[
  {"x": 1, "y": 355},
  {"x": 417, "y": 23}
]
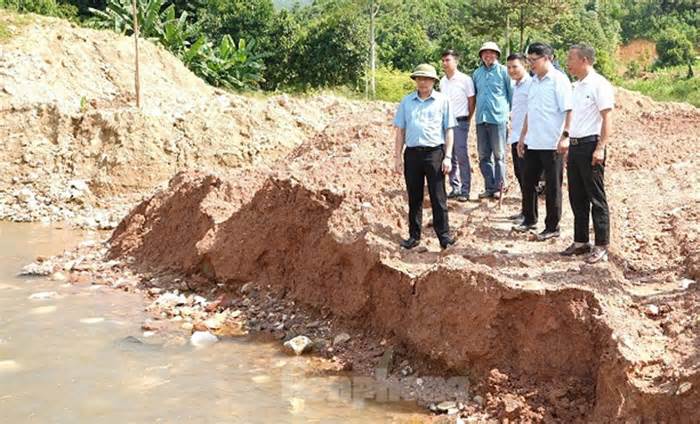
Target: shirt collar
[
  {"x": 489, "y": 68},
  {"x": 455, "y": 75},
  {"x": 592, "y": 74},
  {"x": 431, "y": 96},
  {"x": 549, "y": 74},
  {"x": 523, "y": 80}
]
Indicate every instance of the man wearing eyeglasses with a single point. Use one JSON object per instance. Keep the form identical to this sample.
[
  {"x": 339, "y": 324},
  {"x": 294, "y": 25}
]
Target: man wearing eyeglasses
[{"x": 544, "y": 140}]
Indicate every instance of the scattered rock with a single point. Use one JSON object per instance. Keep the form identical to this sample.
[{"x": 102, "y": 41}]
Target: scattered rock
[
  {"x": 8, "y": 365},
  {"x": 41, "y": 310},
  {"x": 95, "y": 320},
  {"x": 341, "y": 339},
  {"x": 684, "y": 388},
  {"x": 445, "y": 406},
  {"x": 44, "y": 295},
  {"x": 59, "y": 277},
  {"x": 298, "y": 345},
  {"x": 203, "y": 338},
  {"x": 652, "y": 310},
  {"x": 40, "y": 268},
  {"x": 188, "y": 326},
  {"x": 479, "y": 400}
]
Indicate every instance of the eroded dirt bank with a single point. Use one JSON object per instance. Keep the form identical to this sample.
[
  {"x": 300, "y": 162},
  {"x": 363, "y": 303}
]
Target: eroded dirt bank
[{"x": 563, "y": 340}]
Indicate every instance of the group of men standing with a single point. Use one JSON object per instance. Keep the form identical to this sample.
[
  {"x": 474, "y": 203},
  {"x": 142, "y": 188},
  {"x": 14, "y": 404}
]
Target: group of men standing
[{"x": 547, "y": 121}]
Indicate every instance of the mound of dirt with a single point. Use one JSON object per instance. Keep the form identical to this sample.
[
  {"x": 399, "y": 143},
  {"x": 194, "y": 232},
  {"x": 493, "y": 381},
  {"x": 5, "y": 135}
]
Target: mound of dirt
[
  {"x": 549, "y": 337},
  {"x": 76, "y": 148}
]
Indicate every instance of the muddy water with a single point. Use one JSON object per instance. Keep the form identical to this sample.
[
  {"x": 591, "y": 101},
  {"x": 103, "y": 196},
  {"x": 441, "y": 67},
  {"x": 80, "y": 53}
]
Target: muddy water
[{"x": 71, "y": 359}]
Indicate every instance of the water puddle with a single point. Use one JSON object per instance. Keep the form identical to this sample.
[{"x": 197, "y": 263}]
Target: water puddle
[{"x": 77, "y": 354}]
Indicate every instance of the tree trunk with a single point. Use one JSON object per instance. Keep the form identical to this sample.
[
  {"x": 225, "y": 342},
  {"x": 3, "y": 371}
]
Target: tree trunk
[
  {"x": 507, "y": 34},
  {"x": 137, "y": 77},
  {"x": 374, "y": 9},
  {"x": 522, "y": 28}
]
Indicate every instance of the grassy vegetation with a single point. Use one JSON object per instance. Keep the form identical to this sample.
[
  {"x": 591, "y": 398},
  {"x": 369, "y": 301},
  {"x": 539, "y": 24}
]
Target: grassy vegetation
[
  {"x": 11, "y": 23},
  {"x": 669, "y": 84}
]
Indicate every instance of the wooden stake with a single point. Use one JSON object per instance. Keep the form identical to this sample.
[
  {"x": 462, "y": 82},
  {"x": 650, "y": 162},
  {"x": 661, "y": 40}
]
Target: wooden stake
[{"x": 136, "y": 49}]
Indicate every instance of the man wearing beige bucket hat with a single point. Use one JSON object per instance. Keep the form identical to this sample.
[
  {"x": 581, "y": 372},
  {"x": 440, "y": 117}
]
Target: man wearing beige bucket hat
[
  {"x": 493, "y": 99},
  {"x": 424, "y": 125}
]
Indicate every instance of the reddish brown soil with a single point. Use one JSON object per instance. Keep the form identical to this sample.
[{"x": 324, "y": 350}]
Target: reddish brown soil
[{"x": 549, "y": 338}]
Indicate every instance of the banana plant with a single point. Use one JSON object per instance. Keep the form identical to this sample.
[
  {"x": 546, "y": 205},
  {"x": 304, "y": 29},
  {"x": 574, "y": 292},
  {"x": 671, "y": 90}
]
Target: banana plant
[{"x": 119, "y": 17}]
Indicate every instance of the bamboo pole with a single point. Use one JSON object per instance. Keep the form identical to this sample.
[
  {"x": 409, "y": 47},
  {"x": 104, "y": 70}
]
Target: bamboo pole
[{"x": 136, "y": 49}]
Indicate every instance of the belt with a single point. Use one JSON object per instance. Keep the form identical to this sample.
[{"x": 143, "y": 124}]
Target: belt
[
  {"x": 583, "y": 140},
  {"x": 462, "y": 118},
  {"x": 425, "y": 148}
]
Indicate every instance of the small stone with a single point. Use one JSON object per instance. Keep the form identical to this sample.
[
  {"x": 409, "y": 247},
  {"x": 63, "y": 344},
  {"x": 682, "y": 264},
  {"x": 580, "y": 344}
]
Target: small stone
[
  {"x": 453, "y": 411},
  {"x": 8, "y": 365},
  {"x": 246, "y": 288},
  {"x": 43, "y": 296},
  {"x": 188, "y": 326},
  {"x": 298, "y": 345},
  {"x": 41, "y": 310},
  {"x": 200, "y": 326},
  {"x": 652, "y": 310},
  {"x": 95, "y": 320},
  {"x": 684, "y": 388},
  {"x": 59, "y": 276},
  {"x": 479, "y": 400},
  {"x": 203, "y": 338},
  {"x": 445, "y": 406},
  {"x": 341, "y": 339}
]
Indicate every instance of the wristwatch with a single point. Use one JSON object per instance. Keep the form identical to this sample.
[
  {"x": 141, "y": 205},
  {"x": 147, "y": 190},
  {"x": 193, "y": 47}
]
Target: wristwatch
[{"x": 565, "y": 134}]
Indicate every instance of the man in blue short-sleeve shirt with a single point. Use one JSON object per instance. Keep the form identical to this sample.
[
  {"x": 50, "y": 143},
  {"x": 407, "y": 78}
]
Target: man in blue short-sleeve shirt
[{"x": 424, "y": 137}]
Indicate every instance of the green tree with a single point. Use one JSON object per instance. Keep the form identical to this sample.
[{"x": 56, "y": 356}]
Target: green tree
[{"x": 674, "y": 48}]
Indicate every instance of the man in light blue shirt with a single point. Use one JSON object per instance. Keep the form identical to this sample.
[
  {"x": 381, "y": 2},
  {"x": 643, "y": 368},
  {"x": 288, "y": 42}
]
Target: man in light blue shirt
[
  {"x": 424, "y": 125},
  {"x": 493, "y": 97},
  {"x": 544, "y": 139}
]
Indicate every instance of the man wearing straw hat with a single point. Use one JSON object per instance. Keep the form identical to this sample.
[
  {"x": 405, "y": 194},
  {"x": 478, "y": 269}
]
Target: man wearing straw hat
[
  {"x": 493, "y": 98},
  {"x": 423, "y": 146}
]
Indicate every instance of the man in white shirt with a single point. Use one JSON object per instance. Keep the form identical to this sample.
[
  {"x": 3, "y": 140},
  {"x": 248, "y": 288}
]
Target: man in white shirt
[
  {"x": 545, "y": 133},
  {"x": 521, "y": 86},
  {"x": 591, "y": 125},
  {"x": 459, "y": 89}
]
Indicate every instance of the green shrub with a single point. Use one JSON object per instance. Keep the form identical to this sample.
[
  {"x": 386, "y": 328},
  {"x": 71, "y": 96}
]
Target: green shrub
[
  {"x": 392, "y": 85},
  {"x": 671, "y": 84},
  {"x": 41, "y": 7}
]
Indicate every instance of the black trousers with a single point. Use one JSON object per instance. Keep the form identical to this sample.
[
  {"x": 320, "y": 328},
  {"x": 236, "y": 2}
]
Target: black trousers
[
  {"x": 518, "y": 166},
  {"x": 421, "y": 164},
  {"x": 551, "y": 162},
  {"x": 587, "y": 194}
]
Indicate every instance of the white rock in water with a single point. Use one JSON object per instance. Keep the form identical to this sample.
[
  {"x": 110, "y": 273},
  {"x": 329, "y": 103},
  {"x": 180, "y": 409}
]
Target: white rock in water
[
  {"x": 37, "y": 268},
  {"x": 59, "y": 276},
  {"x": 170, "y": 299},
  {"x": 203, "y": 338},
  {"x": 8, "y": 365},
  {"x": 43, "y": 296},
  {"x": 92, "y": 320},
  {"x": 445, "y": 406},
  {"x": 299, "y": 345},
  {"x": 43, "y": 310}
]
